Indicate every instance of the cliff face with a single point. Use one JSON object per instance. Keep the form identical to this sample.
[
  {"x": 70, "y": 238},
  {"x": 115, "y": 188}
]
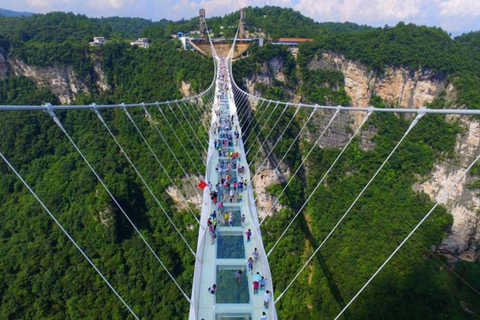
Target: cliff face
[
  {"x": 3, "y": 63},
  {"x": 399, "y": 86},
  {"x": 408, "y": 89},
  {"x": 463, "y": 202},
  {"x": 268, "y": 71},
  {"x": 61, "y": 79},
  {"x": 413, "y": 89}
]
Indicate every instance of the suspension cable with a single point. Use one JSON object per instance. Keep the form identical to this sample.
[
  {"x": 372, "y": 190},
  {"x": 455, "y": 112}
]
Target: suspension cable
[
  {"x": 268, "y": 135},
  {"x": 319, "y": 183},
  {"x": 187, "y": 135},
  {"x": 166, "y": 172},
  {"x": 261, "y": 129},
  {"x": 237, "y": 96},
  {"x": 296, "y": 138},
  {"x": 412, "y": 125},
  {"x": 60, "y": 125},
  {"x": 68, "y": 235},
  {"x": 191, "y": 109},
  {"x": 257, "y": 121},
  {"x": 244, "y": 101},
  {"x": 247, "y": 110},
  {"x": 193, "y": 131},
  {"x": 278, "y": 139},
  {"x": 135, "y": 168},
  {"x": 444, "y": 197},
  {"x": 180, "y": 141},
  {"x": 302, "y": 162},
  {"x": 171, "y": 151}
]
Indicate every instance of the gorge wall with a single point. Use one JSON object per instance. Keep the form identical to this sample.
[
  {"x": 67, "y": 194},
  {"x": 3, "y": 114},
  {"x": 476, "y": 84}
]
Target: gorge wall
[{"x": 408, "y": 89}]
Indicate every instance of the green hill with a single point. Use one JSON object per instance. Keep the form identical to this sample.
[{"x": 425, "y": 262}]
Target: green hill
[
  {"x": 10, "y": 13},
  {"x": 44, "y": 277}
]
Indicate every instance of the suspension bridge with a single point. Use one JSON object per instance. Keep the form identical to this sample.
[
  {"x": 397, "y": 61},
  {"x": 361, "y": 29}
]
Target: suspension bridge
[{"x": 232, "y": 278}]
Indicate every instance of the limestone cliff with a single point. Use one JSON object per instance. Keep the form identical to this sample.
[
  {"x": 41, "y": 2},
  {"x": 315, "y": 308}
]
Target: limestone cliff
[
  {"x": 62, "y": 80},
  {"x": 398, "y": 86},
  {"x": 270, "y": 70},
  {"x": 463, "y": 202},
  {"x": 404, "y": 88},
  {"x": 3, "y": 63}
]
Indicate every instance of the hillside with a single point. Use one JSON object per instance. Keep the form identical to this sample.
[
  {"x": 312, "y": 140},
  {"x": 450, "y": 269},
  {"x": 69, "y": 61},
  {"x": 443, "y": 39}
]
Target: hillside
[
  {"x": 10, "y": 13},
  {"x": 43, "y": 276},
  {"x": 406, "y": 66}
]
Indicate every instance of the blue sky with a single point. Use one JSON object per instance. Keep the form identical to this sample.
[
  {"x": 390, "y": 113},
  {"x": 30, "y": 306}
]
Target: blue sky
[{"x": 454, "y": 16}]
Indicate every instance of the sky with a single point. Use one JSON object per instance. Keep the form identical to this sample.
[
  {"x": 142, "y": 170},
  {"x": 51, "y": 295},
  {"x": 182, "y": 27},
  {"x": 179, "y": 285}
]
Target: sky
[{"x": 454, "y": 16}]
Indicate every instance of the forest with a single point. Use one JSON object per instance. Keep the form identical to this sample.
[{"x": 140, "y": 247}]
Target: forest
[
  {"x": 44, "y": 276},
  {"x": 417, "y": 283}
]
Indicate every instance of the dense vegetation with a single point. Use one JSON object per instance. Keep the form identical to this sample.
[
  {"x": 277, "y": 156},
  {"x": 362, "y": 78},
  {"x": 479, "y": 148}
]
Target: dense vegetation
[
  {"x": 416, "y": 283},
  {"x": 272, "y": 21},
  {"x": 43, "y": 276}
]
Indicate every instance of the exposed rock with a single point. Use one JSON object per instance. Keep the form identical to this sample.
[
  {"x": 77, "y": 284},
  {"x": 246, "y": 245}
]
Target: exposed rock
[
  {"x": 268, "y": 71},
  {"x": 186, "y": 89},
  {"x": 402, "y": 88},
  {"x": 61, "y": 79},
  {"x": 101, "y": 79},
  {"x": 398, "y": 86},
  {"x": 262, "y": 179},
  {"x": 106, "y": 217},
  {"x": 3, "y": 63},
  {"x": 187, "y": 192},
  {"x": 463, "y": 203}
]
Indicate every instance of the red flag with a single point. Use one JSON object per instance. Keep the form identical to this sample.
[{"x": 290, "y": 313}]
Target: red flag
[{"x": 202, "y": 184}]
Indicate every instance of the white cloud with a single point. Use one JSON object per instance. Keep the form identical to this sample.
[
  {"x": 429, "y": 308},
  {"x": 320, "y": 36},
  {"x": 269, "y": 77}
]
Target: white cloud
[
  {"x": 362, "y": 11},
  {"x": 47, "y": 5},
  {"x": 452, "y": 15},
  {"x": 222, "y": 7},
  {"x": 459, "y": 8}
]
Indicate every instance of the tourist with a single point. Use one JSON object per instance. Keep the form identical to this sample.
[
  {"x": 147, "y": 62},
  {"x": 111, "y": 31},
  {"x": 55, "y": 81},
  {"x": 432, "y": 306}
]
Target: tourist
[
  {"x": 256, "y": 282},
  {"x": 250, "y": 264},
  {"x": 249, "y": 234},
  {"x": 212, "y": 289},
  {"x": 266, "y": 299},
  {"x": 238, "y": 275},
  {"x": 255, "y": 255}
]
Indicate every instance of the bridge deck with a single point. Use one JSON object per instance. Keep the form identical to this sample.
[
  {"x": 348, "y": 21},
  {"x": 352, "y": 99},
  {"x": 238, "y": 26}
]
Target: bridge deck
[{"x": 220, "y": 258}]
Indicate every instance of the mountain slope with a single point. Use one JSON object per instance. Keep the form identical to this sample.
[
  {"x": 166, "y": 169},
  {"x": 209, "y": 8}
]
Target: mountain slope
[{"x": 10, "y": 13}]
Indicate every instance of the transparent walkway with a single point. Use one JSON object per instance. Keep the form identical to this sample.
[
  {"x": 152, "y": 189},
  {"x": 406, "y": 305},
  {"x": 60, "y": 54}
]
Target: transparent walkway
[{"x": 223, "y": 251}]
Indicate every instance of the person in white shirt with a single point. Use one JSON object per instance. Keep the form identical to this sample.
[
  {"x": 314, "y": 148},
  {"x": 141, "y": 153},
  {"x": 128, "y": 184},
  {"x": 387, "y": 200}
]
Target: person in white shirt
[{"x": 266, "y": 299}]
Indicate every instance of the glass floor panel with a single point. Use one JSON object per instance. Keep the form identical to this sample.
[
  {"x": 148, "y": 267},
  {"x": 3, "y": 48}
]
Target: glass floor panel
[
  {"x": 233, "y": 316},
  {"x": 229, "y": 289},
  {"x": 236, "y": 213},
  {"x": 230, "y": 246}
]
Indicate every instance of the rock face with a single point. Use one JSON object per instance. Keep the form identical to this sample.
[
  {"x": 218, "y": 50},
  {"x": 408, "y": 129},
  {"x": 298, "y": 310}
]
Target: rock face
[
  {"x": 266, "y": 203},
  {"x": 61, "y": 80},
  {"x": 3, "y": 63},
  {"x": 186, "y": 89},
  {"x": 398, "y": 86},
  {"x": 408, "y": 89},
  {"x": 186, "y": 195},
  {"x": 268, "y": 71},
  {"x": 463, "y": 203}
]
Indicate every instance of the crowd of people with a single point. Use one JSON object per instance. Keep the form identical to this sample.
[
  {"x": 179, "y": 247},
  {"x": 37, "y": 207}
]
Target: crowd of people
[{"x": 230, "y": 185}]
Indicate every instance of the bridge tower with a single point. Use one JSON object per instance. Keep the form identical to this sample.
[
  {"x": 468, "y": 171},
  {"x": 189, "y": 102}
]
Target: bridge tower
[
  {"x": 203, "y": 25},
  {"x": 242, "y": 33}
]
